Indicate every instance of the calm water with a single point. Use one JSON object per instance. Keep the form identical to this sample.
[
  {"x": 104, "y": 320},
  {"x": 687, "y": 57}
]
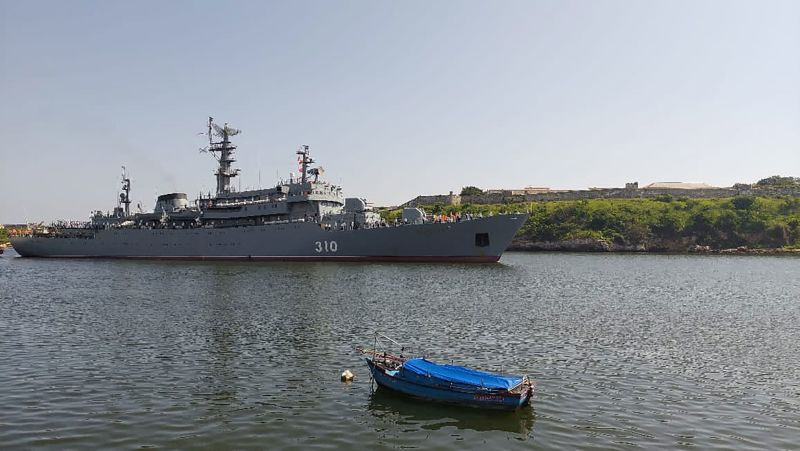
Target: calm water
[{"x": 628, "y": 351}]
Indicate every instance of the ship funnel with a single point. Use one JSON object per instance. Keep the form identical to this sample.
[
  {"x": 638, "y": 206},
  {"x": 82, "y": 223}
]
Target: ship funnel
[{"x": 171, "y": 202}]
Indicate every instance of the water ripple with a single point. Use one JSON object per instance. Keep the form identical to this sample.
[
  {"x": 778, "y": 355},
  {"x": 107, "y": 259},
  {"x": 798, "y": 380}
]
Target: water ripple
[{"x": 628, "y": 351}]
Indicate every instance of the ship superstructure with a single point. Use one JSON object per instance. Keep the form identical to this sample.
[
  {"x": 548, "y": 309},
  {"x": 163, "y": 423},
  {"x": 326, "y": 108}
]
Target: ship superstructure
[{"x": 303, "y": 218}]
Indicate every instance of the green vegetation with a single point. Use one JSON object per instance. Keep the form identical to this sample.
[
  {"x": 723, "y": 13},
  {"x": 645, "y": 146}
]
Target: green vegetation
[
  {"x": 471, "y": 191},
  {"x": 776, "y": 181},
  {"x": 3, "y": 235},
  {"x": 663, "y": 223}
]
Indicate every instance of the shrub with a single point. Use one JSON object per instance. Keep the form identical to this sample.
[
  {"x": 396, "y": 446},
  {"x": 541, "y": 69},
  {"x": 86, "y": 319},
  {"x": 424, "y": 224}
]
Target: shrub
[
  {"x": 471, "y": 191},
  {"x": 742, "y": 202}
]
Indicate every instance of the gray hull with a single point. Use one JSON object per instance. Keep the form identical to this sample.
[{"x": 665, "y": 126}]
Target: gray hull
[{"x": 456, "y": 241}]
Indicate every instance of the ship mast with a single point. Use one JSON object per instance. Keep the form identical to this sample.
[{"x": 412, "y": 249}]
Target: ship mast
[
  {"x": 125, "y": 195},
  {"x": 224, "y": 172},
  {"x": 305, "y": 160}
]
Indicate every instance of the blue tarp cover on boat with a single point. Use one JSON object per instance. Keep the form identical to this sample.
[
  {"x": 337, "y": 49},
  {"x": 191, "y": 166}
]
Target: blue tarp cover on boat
[{"x": 461, "y": 375}]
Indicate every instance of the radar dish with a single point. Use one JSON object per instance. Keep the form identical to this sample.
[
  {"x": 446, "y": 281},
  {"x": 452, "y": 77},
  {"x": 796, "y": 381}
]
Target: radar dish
[{"x": 226, "y": 130}]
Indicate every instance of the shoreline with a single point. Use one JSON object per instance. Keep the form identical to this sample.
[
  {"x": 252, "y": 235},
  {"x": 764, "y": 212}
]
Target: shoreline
[{"x": 600, "y": 246}]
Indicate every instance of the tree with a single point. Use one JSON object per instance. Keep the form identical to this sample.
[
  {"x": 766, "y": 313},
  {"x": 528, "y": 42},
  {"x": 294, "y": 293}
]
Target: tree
[
  {"x": 701, "y": 226},
  {"x": 471, "y": 191},
  {"x": 743, "y": 202},
  {"x": 727, "y": 225},
  {"x": 636, "y": 233},
  {"x": 777, "y": 180},
  {"x": 777, "y": 236},
  {"x": 668, "y": 225}
]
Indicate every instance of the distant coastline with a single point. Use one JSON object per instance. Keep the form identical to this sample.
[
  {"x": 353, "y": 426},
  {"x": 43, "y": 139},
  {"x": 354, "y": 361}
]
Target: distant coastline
[
  {"x": 764, "y": 221},
  {"x": 601, "y": 246},
  {"x": 775, "y": 186}
]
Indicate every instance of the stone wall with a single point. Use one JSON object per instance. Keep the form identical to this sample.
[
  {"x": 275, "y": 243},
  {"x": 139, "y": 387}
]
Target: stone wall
[
  {"x": 444, "y": 199},
  {"x": 609, "y": 193}
]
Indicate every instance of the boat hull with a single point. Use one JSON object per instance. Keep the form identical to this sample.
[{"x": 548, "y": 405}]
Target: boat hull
[
  {"x": 300, "y": 241},
  {"x": 415, "y": 386}
]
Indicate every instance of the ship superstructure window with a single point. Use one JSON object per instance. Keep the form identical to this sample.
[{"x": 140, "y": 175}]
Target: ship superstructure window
[{"x": 481, "y": 239}]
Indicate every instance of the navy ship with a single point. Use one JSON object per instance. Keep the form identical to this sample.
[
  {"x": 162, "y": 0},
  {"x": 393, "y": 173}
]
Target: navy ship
[{"x": 303, "y": 219}]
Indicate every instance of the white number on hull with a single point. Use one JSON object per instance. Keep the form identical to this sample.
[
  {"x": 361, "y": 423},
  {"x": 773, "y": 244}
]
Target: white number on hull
[{"x": 325, "y": 246}]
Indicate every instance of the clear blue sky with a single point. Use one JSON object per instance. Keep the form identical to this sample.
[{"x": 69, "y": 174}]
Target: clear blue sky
[{"x": 395, "y": 98}]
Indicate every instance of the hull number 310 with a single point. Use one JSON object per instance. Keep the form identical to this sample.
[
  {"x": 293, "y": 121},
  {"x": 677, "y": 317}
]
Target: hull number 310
[{"x": 325, "y": 246}]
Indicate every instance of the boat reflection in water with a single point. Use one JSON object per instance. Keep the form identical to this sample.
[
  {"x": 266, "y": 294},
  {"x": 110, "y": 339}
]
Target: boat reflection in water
[{"x": 405, "y": 411}]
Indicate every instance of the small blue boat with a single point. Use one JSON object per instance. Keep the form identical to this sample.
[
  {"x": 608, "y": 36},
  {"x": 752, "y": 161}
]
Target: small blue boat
[{"x": 452, "y": 384}]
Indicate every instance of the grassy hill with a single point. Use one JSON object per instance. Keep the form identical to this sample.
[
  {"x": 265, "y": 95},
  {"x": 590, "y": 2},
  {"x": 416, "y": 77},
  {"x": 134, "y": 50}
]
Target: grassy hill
[{"x": 662, "y": 224}]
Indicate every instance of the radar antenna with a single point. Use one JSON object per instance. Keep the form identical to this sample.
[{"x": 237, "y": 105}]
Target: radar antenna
[
  {"x": 225, "y": 149},
  {"x": 125, "y": 195},
  {"x": 304, "y": 160},
  {"x": 316, "y": 172}
]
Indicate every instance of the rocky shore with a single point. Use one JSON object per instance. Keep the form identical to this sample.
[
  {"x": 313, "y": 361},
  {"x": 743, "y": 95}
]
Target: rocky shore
[{"x": 595, "y": 245}]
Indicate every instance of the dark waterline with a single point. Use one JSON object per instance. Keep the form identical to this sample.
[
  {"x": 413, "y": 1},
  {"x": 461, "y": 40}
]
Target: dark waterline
[{"x": 628, "y": 351}]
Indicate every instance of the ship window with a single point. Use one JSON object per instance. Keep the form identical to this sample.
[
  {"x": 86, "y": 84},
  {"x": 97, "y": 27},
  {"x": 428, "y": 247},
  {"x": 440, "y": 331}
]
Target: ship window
[{"x": 481, "y": 239}]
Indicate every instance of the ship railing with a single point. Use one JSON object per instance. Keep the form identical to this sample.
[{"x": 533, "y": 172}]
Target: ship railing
[
  {"x": 70, "y": 225},
  {"x": 245, "y": 203},
  {"x": 429, "y": 219},
  {"x": 63, "y": 226}
]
